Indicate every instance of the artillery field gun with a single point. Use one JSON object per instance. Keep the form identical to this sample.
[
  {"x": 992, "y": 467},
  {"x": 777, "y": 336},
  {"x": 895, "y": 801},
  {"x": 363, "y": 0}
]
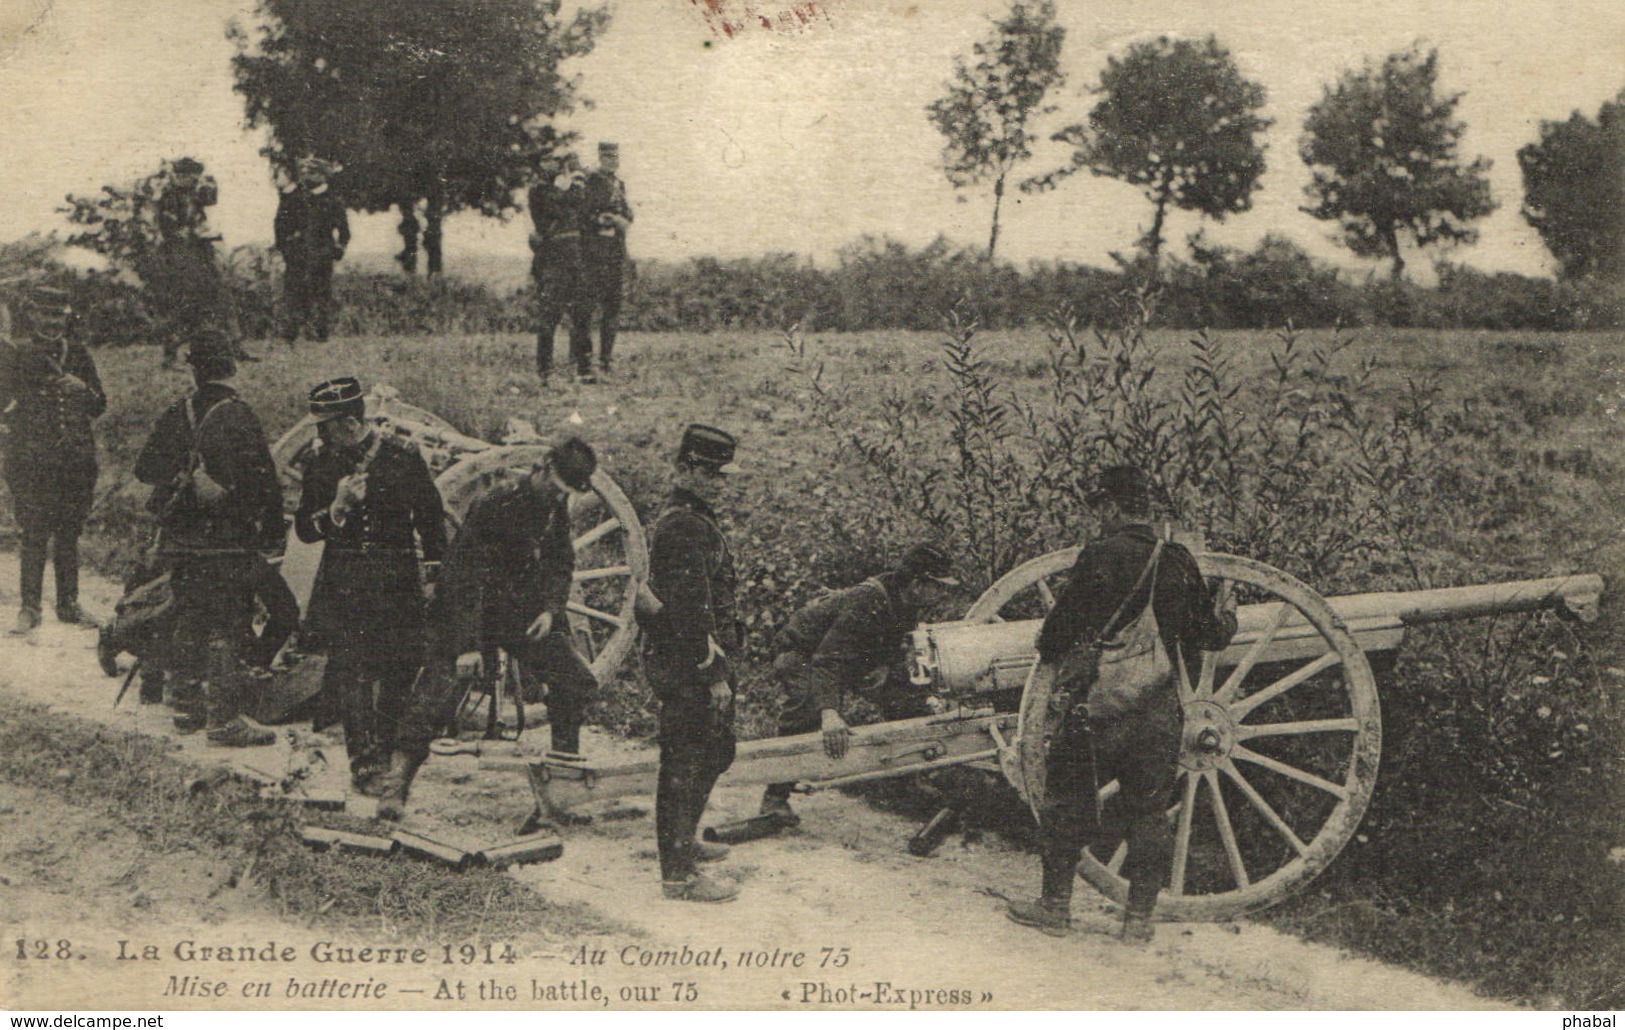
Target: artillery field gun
[{"x": 1283, "y": 729}]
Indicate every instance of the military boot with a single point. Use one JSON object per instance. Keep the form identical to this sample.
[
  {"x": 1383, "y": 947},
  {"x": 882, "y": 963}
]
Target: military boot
[
  {"x": 1051, "y": 911},
  {"x": 698, "y": 887},
  {"x": 27, "y": 622},
  {"x": 1137, "y": 925},
  {"x": 107, "y": 652},
  {"x": 395, "y": 783},
  {"x": 776, "y": 803}
]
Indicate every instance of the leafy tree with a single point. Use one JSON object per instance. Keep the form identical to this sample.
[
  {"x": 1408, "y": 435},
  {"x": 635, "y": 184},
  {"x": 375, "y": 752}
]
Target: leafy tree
[
  {"x": 985, "y": 114},
  {"x": 1176, "y": 119},
  {"x": 438, "y": 102},
  {"x": 1574, "y": 191},
  {"x": 1382, "y": 146}
]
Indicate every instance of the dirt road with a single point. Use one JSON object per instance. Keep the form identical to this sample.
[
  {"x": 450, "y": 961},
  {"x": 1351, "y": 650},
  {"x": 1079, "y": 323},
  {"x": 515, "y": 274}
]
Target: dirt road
[{"x": 926, "y": 931}]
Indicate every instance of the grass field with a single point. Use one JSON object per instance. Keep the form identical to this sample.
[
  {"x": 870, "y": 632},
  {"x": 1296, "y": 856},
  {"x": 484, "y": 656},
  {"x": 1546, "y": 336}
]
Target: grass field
[{"x": 1490, "y": 852}]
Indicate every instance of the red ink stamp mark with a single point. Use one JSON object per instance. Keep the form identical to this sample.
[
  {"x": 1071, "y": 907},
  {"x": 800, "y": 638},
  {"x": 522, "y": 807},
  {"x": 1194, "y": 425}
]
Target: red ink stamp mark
[{"x": 729, "y": 18}]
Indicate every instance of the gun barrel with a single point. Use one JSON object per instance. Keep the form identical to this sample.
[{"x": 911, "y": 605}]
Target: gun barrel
[{"x": 961, "y": 657}]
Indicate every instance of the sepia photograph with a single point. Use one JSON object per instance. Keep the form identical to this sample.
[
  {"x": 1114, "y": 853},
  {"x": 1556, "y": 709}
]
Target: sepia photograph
[{"x": 811, "y": 506}]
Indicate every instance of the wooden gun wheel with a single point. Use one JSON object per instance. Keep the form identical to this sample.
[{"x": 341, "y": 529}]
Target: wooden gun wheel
[{"x": 1279, "y": 754}]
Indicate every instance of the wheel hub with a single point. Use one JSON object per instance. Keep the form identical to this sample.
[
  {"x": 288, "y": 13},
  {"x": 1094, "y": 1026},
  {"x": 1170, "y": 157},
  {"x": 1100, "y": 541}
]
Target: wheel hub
[{"x": 1209, "y": 737}]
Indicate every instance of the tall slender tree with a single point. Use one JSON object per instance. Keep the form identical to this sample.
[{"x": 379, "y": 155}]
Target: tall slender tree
[
  {"x": 438, "y": 103},
  {"x": 1177, "y": 119},
  {"x": 994, "y": 97},
  {"x": 1383, "y": 148},
  {"x": 1574, "y": 191}
]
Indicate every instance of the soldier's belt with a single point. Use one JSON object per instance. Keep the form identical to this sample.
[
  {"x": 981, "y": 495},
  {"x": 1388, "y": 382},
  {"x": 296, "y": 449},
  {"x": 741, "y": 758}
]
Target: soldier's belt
[{"x": 368, "y": 547}]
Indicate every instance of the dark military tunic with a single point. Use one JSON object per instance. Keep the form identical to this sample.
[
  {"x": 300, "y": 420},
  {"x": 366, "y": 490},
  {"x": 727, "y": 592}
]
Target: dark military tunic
[
  {"x": 556, "y": 264},
  {"x": 604, "y": 251},
  {"x": 1141, "y": 749},
  {"x": 366, "y": 609},
  {"x": 513, "y": 559},
  {"x": 691, "y": 571},
  {"x": 50, "y": 457},
  {"x": 311, "y": 230}
]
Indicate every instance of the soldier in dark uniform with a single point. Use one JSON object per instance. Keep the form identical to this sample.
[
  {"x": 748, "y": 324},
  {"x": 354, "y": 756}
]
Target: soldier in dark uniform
[
  {"x": 218, "y": 503},
  {"x": 371, "y": 497},
  {"x": 49, "y": 395},
  {"x": 504, "y": 586},
  {"x": 1139, "y": 748},
  {"x": 691, "y": 638},
  {"x": 556, "y": 216},
  {"x": 311, "y": 230},
  {"x": 834, "y": 645},
  {"x": 605, "y": 218},
  {"x": 187, "y": 282}
]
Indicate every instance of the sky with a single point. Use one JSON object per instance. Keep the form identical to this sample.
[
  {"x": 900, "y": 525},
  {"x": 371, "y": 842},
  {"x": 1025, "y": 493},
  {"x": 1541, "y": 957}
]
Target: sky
[{"x": 804, "y": 137}]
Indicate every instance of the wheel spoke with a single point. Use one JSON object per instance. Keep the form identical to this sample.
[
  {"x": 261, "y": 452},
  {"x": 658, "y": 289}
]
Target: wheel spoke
[
  {"x": 1182, "y": 836},
  {"x": 607, "y": 572},
  {"x": 1240, "y": 709},
  {"x": 1245, "y": 666},
  {"x": 1109, "y": 791},
  {"x": 594, "y": 613},
  {"x": 1046, "y": 593},
  {"x": 1264, "y": 809},
  {"x": 1204, "y": 679},
  {"x": 1187, "y": 693},
  {"x": 1291, "y": 772},
  {"x": 1115, "y": 866},
  {"x": 1348, "y": 724},
  {"x": 1227, "y": 833},
  {"x": 596, "y": 533}
]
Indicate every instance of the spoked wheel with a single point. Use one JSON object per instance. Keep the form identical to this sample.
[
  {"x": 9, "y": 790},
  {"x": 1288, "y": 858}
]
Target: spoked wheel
[
  {"x": 1282, "y": 736},
  {"x": 612, "y": 556}
]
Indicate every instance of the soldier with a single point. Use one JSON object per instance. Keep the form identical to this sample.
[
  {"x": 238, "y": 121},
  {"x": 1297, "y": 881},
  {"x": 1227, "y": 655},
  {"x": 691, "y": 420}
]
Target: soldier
[
  {"x": 835, "y": 644},
  {"x": 312, "y": 230},
  {"x": 371, "y": 497},
  {"x": 217, "y": 499},
  {"x": 556, "y": 215},
  {"x": 504, "y": 586},
  {"x": 606, "y": 217},
  {"x": 49, "y": 395},
  {"x": 1111, "y": 582},
  {"x": 186, "y": 277},
  {"x": 691, "y": 639}
]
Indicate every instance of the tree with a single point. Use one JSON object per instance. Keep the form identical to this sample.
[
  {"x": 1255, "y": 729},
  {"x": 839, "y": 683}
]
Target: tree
[
  {"x": 989, "y": 104},
  {"x": 1382, "y": 148},
  {"x": 1574, "y": 191},
  {"x": 438, "y": 102},
  {"x": 1176, "y": 119}
]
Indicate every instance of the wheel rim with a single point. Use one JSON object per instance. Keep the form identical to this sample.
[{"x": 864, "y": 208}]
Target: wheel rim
[
  {"x": 1278, "y": 758},
  {"x": 612, "y": 556}
]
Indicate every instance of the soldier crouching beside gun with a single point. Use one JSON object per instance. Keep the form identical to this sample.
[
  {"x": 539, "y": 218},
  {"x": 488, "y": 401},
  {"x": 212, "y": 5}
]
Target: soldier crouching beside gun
[
  {"x": 691, "y": 638},
  {"x": 834, "y": 645},
  {"x": 504, "y": 585},
  {"x": 368, "y": 494},
  {"x": 1117, "y": 728}
]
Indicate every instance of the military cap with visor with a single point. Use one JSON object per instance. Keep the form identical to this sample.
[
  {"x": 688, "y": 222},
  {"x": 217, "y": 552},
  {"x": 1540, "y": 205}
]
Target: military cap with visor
[
  {"x": 574, "y": 461},
  {"x": 211, "y": 347},
  {"x": 709, "y": 448},
  {"x": 1126, "y": 485},
  {"x": 336, "y": 398}
]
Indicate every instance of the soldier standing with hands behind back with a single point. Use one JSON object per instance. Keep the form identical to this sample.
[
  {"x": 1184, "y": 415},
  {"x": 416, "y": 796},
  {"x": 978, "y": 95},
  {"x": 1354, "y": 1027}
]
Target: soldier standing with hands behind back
[
  {"x": 691, "y": 637},
  {"x": 49, "y": 394}
]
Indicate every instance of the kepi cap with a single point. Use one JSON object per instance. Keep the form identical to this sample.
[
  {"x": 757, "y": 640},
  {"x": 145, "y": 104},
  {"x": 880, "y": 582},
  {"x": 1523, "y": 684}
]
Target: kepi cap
[
  {"x": 709, "y": 448},
  {"x": 335, "y": 398},
  {"x": 928, "y": 561},
  {"x": 211, "y": 344},
  {"x": 575, "y": 462},
  {"x": 1127, "y": 485},
  {"x": 607, "y": 149}
]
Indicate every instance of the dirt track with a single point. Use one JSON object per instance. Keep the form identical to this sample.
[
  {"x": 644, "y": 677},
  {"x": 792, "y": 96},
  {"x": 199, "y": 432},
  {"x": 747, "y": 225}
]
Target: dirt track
[{"x": 842, "y": 880}]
